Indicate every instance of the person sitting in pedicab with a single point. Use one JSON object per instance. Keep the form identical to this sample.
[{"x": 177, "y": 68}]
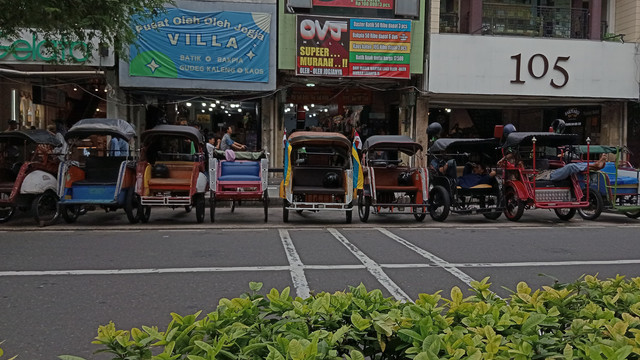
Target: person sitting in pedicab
[
  {"x": 228, "y": 143},
  {"x": 475, "y": 174},
  {"x": 572, "y": 168}
]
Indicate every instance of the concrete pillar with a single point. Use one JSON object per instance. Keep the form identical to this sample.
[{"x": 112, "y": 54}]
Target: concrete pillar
[
  {"x": 421, "y": 123},
  {"x": 475, "y": 17},
  {"x": 595, "y": 18},
  {"x": 116, "y": 97},
  {"x": 613, "y": 124}
]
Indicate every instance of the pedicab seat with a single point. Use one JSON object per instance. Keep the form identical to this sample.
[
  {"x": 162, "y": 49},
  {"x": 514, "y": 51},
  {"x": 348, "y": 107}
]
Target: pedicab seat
[
  {"x": 310, "y": 181},
  {"x": 180, "y": 173},
  {"x": 101, "y": 170},
  {"x": 610, "y": 170},
  {"x": 479, "y": 186},
  {"x": 239, "y": 171}
]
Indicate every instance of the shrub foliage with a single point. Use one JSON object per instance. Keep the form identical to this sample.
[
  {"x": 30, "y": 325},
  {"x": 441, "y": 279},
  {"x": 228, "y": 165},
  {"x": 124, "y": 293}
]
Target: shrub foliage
[{"x": 587, "y": 319}]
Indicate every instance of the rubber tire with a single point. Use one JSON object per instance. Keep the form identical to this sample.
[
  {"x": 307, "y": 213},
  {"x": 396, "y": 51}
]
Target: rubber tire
[
  {"x": 285, "y": 212},
  {"x": 6, "y": 216},
  {"x": 233, "y": 205},
  {"x": 364, "y": 204},
  {"x": 70, "y": 213},
  {"x": 566, "y": 217},
  {"x": 438, "y": 192},
  {"x": 420, "y": 216},
  {"x": 187, "y": 208},
  {"x": 349, "y": 216},
  {"x": 212, "y": 207},
  {"x": 595, "y": 200},
  {"x": 492, "y": 215},
  {"x": 510, "y": 195},
  {"x": 633, "y": 215},
  {"x": 198, "y": 203},
  {"x": 41, "y": 200},
  {"x": 145, "y": 213},
  {"x": 265, "y": 203},
  {"x": 132, "y": 206}
]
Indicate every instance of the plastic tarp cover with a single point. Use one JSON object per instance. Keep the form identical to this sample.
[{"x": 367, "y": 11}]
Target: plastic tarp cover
[{"x": 97, "y": 126}]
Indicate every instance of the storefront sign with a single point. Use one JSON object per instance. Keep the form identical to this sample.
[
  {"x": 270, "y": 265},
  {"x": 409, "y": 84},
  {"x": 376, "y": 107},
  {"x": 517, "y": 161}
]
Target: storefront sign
[
  {"x": 224, "y": 45},
  {"x": 340, "y": 47},
  {"x": 363, "y": 4},
  {"x": 31, "y": 48}
]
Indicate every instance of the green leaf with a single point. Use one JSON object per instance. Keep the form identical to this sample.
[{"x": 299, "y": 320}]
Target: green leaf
[
  {"x": 295, "y": 350},
  {"x": 568, "y": 352},
  {"x": 623, "y": 352},
  {"x": 255, "y": 286},
  {"x": 356, "y": 355},
  {"x": 274, "y": 354},
  {"x": 360, "y": 323},
  {"x": 412, "y": 334},
  {"x": 195, "y": 357},
  {"x": 530, "y": 324}
]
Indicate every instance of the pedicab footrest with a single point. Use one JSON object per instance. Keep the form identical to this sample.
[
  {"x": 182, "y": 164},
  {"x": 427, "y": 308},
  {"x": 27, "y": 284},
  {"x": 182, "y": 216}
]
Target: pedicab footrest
[{"x": 396, "y": 188}]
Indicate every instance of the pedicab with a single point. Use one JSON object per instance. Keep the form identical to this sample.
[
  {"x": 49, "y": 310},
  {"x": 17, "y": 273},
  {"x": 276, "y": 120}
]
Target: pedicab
[
  {"x": 28, "y": 169},
  {"x": 617, "y": 183},
  {"x": 534, "y": 154},
  {"x": 321, "y": 172},
  {"x": 464, "y": 190},
  {"x": 243, "y": 177},
  {"x": 391, "y": 186},
  {"x": 92, "y": 176},
  {"x": 171, "y": 170}
]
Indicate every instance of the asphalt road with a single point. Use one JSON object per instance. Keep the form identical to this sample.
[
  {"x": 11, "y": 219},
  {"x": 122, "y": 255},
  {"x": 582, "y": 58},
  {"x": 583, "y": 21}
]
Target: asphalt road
[{"x": 58, "y": 284}]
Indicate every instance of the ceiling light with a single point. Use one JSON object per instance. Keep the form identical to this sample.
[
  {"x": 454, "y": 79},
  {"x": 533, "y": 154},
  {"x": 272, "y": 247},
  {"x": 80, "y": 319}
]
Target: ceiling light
[
  {"x": 239, "y": 110},
  {"x": 210, "y": 109},
  {"x": 311, "y": 84},
  {"x": 204, "y": 104},
  {"x": 188, "y": 104}
]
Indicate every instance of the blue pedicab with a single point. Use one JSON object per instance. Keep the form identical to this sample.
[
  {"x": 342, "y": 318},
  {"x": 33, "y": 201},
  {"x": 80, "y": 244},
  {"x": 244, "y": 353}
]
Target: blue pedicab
[
  {"x": 617, "y": 183},
  {"x": 93, "y": 176},
  {"x": 243, "y": 178},
  {"x": 171, "y": 170},
  {"x": 28, "y": 175}
]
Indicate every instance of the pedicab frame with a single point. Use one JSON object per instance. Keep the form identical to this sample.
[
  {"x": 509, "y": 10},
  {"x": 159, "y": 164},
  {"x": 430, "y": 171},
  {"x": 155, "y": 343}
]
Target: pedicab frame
[
  {"x": 382, "y": 192},
  {"x": 187, "y": 182},
  {"x": 107, "y": 181},
  {"x": 33, "y": 184}
]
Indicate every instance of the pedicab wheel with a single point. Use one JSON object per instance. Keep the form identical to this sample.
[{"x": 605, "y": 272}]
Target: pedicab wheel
[
  {"x": 420, "y": 212},
  {"x": 45, "y": 208},
  {"x": 187, "y": 208},
  {"x": 440, "y": 203},
  {"x": 594, "y": 209},
  {"x": 6, "y": 213},
  {"x": 212, "y": 207},
  {"x": 285, "y": 212},
  {"x": 364, "y": 204},
  {"x": 265, "y": 203},
  {"x": 70, "y": 213},
  {"x": 633, "y": 214},
  {"x": 513, "y": 206},
  {"x": 145, "y": 214},
  {"x": 131, "y": 206},
  {"x": 198, "y": 203},
  {"x": 565, "y": 214}
]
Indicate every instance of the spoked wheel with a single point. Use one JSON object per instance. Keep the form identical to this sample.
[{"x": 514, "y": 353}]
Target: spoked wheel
[
  {"x": 265, "y": 203},
  {"x": 364, "y": 204},
  {"x": 594, "y": 209},
  {"x": 45, "y": 208},
  {"x": 420, "y": 212},
  {"x": 6, "y": 213},
  {"x": 70, "y": 213},
  {"x": 513, "y": 205},
  {"x": 131, "y": 206},
  {"x": 212, "y": 207},
  {"x": 565, "y": 214},
  {"x": 633, "y": 214},
  {"x": 440, "y": 203},
  {"x": 285, "y": 212},
  {"x": 145, "y": 214},
  {"x": 198, "y": 203}
]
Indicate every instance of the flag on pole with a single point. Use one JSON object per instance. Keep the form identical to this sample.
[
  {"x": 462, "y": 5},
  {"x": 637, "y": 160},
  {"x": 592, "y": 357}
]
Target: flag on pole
[
  {"x": 358, "y": 178},
  {"x": 356, "y": 140}
]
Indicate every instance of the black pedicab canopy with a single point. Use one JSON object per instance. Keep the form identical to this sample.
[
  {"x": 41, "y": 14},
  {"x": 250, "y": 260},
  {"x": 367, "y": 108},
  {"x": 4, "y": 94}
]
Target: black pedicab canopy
[
  {"x": 319, "y": 138},
  {"x": 595, "y": 149},
  {"x": 100, "y": 126},
  {"x": 401, "y": 143},
  {"x": 37, "y": 136},
  {"x": 172, "y": 130},
  {"x": 463, "y": 145},
  {"x": 516, "y": 139}
]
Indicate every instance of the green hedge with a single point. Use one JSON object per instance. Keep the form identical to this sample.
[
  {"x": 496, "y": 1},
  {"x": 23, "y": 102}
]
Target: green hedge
[{"x": 587, "y": 319}]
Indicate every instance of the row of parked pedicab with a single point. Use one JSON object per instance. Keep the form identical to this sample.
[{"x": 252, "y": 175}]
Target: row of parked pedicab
[{"x": 322, "y": 172}]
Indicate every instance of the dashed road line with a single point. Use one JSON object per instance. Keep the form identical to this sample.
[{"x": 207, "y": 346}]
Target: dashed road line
[
  {"x": 429, "y": 256},
  {"x": 295, "y": 265},
  {"x": 372, "y": 267}
]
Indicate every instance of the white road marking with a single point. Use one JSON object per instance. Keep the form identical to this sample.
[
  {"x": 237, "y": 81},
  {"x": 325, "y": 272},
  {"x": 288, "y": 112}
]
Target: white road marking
[
  {"x": 142, "y": 271},
  {"x": 518, "y": 264},
  {"x": 372, "y": 267},
  {"x": 296, "y": 267},
  {"x": 429, "y": 256},
  {"x": 182, "y": 230},
  {"x": 232, "y": 230},
  {"x": 477, "y": 228}
]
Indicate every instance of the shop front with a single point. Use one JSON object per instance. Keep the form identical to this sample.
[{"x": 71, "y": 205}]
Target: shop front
[{"x": 41, "y": 87}]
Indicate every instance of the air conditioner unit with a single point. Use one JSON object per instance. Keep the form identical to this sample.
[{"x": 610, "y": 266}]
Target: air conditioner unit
[{"x": 407, "y": 8}]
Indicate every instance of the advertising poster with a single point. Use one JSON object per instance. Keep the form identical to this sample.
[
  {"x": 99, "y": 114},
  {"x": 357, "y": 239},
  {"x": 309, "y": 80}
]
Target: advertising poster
[
  {"x": 182, "y": 44},
  {"x": 363, "y": 4},
  {"x": 341, "y": 47}
]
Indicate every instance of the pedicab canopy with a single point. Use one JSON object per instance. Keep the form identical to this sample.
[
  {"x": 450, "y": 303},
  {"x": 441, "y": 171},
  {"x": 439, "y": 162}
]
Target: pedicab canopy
[
  {"x": 37, "y": 136},
  {"x": 172, "y": 130},
  {"x": 97, "y": 126},
  {"x": 516, "y": 139},
  {"x": 401, "y": 143},
  {"x": 240, "y": 155},
  {"x": 458, "y": 145},
  {"x": 595, "y": 149}
]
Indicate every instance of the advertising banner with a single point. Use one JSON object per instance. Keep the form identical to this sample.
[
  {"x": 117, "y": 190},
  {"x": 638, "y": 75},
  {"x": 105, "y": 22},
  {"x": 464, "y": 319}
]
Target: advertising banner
[
  {"x": 224, "y": 45},
  {"x": 363, "y": 4},
  {"x": 342, "y": 47}
]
